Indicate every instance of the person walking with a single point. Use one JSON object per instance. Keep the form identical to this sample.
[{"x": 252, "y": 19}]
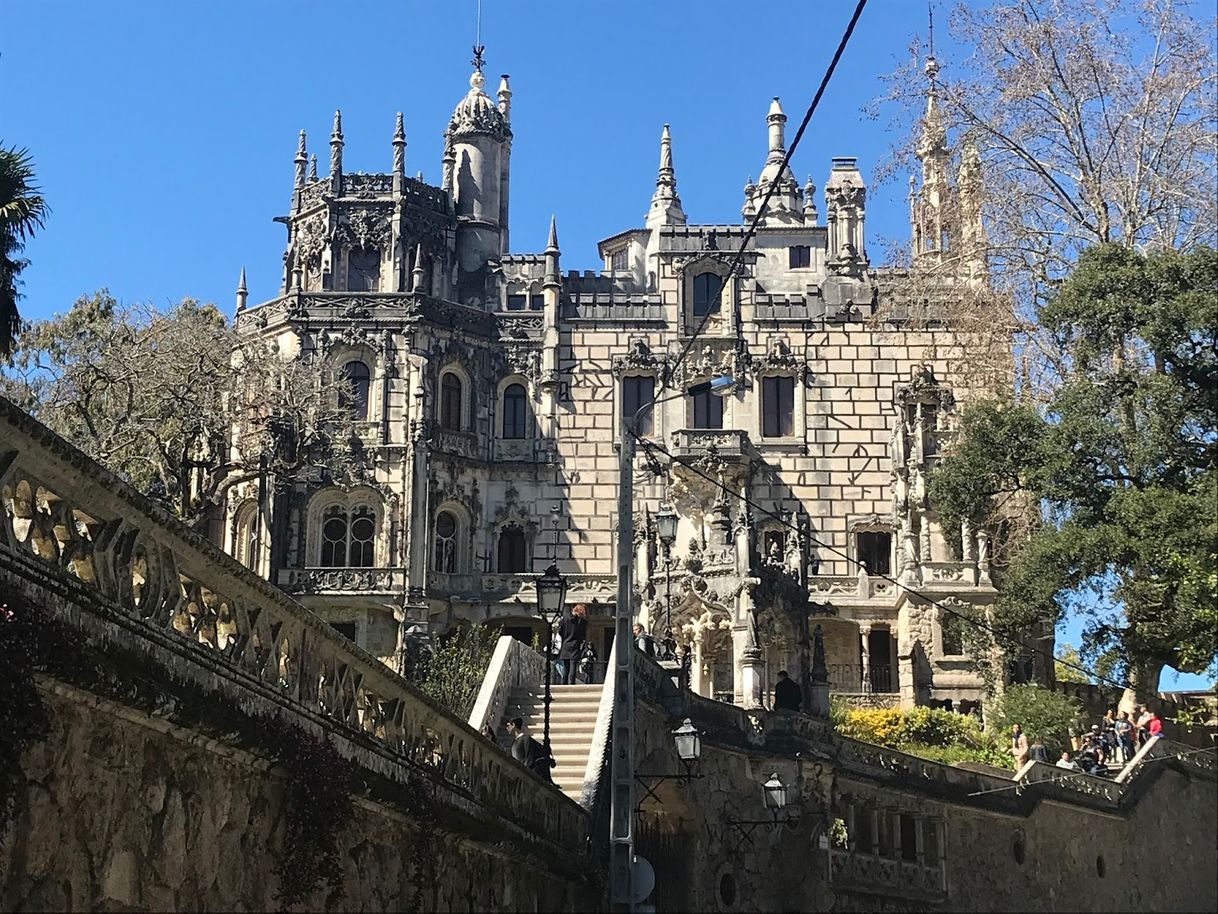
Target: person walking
[
  {"x": 573, "y": 630},
  {"x": 787, "y": 696},
  {"x": 1019, "y": 746}
]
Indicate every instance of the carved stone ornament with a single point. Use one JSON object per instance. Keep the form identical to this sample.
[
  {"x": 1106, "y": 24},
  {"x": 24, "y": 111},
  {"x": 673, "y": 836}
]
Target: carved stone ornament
[
  {"x": 924, "y": 387},
  {"x": 365, "y": 228},
  {"x": 845, "y": 195},
  {"x": 779, "y": 359},
  {"x": 721, "y": 356},
  {"x": 637, "y": 358},
  {"x": 310, "y": 239}
]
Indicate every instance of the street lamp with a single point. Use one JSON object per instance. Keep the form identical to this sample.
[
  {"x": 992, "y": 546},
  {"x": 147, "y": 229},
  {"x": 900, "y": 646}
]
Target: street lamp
[
  {"x": 775, "y": 793},
  {"x": 551, "y": 595},
  {"x": 688, "y": 742},
  {"x": 666, "y": 529}
]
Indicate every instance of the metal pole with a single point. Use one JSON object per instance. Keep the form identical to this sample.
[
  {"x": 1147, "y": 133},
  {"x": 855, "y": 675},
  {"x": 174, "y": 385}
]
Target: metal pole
[
  {"x": 621, "y": 799},
  {"x": 670, "y": 643},
  {"x": 547, "y": 699}
]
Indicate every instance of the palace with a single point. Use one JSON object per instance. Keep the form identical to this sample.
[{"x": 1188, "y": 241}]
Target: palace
[{"x": 490, "y": 390}]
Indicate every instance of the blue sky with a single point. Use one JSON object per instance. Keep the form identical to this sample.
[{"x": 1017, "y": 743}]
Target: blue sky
[{"x": 163, "y": 132}]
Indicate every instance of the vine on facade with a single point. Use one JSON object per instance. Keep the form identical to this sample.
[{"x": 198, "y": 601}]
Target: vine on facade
[
  {"x": 24, "y": 717},
  {"x": 317, "y": 808}
]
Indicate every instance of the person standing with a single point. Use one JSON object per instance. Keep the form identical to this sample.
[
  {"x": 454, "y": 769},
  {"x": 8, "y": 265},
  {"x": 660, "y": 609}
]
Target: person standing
[
  {"x": 1124, "y": 732},
  {"x": 1037, "y": 752},
  {"x": 643, "y": 640},
  {"x": 573, "y": 630},
  {"x": 1019, "y": 746},
  {"x": 787, "y": 696}
]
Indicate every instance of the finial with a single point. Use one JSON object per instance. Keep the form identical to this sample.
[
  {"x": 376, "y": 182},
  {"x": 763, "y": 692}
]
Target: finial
[
  {"x": 313, "y": 167},
  {"x": 505, "y": 97},
  {"x": 478, "y": 60},
  {"x": 552, "y": 241},
  {"x": 336, "y": 153},
  {"x": 399, "y": 147},
  {"x": 930, "y": 31},
  {"x": 416, "y": 275},
  {"x": 242, "y": 291},
  {"x": 299, "y": 161},
  {"x": 337, "y": 132},
  {"x": 776, "y": 108}
]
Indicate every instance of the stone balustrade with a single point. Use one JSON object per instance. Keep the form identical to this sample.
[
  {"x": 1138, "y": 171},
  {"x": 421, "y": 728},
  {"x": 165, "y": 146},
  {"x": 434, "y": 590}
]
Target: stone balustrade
[
  {"x": 343, "y": 580},
  {"x": 122, "y": 570},
  {"x": 728, "y": 443}
]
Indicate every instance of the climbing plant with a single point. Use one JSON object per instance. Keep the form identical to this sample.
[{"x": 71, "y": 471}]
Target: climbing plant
[{"x": 24, "y": 718}]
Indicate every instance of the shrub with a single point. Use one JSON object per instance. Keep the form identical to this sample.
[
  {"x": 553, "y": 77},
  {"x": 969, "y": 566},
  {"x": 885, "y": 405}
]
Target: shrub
[
  {"x": 929, "y": 733},
  {"x": 1039, "y": 712}
]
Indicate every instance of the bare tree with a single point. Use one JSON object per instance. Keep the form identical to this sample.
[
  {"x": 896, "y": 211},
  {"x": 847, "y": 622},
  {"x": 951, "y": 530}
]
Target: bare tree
[
  {"x": 178, "y": 402},
  {"x": 1093, "y": 122}
]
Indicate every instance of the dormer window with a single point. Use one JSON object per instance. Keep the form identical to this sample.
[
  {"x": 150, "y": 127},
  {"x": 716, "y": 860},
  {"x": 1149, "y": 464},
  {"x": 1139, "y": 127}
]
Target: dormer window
[
  {"x": 799, "y": 256},
  {"x": 706, "y": 293},
  {"x": 618, "y": 261}
]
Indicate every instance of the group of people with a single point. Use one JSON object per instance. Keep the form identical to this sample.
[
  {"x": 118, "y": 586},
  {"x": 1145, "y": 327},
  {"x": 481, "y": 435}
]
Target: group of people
[{"x": 1112, "y": 742}]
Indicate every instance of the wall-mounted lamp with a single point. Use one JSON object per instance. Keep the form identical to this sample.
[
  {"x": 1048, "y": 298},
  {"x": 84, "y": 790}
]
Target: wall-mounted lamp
[{"x": 688, "y": 742}]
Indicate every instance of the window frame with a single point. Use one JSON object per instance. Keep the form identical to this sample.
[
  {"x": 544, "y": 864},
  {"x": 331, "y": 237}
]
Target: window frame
[
  {"x": 360, "y": 403},
  {"x": 515, "y": 539},
  {"x": 445, "y": 406},
  {"x": 859, "y": 552},
  {"x": 797, "y": 253},
  {"x": 340, "y": 547},
  {"x": 712, "y": 403},
  {"x": 775, "y": 388},
  {"x": 631, "y": 405},
  {"x": 519, "y": 430},
  {"x": 452, "y": 549},
  {"x": 703, "y": 308},
  {"x": 374, "y": 279}
]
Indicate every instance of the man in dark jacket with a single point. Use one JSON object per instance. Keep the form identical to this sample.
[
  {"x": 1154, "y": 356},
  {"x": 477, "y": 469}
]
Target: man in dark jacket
[
  {"x": 527, "y": 750},
  {"x": 786, "y": 693}
]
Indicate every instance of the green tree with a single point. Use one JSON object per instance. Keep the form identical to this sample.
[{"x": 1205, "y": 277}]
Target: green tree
[
  {"x": 1120, "y": 458},
  {"x": 177, "y": 401},
  {"x": 1039, "y": 712},
  {"x": 23, "y": 210},
  {"x": 1068, "y": 671},
  {"x": 453, "y": 670}
]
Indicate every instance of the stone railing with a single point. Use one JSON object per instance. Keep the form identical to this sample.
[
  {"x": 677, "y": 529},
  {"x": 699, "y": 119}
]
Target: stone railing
[
  {"x": 523, "y": 585},
  {"x": 869, "y": 872},
  {"x": 123, "y": 571},
  {"x": 1053, "y": 780},
  {"x": 729, "y": 443},
  {"x": 512, "y": 664},
  {"x": 962, "y": 573},
  {"x": 341, "y": 580},
  {"x": 596, "y": 773}
]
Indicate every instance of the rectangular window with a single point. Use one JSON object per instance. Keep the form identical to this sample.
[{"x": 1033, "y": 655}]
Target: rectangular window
[
  {"x": 952, "y": 630},
  {"x": 875, "y": 551},
  {"x": 537, "y": 302},
  {"x": 708, "y": 410},
  {"x": 799, "y": 256},
  {"x": 637, "y": 392},
  {"x": 516, "y": 302},
  {"x": 617, "y": 260},
  {"x": 909, "y": 839},
  {"x": 777, "y": 407},
  {"x": 346, "y": 629}
]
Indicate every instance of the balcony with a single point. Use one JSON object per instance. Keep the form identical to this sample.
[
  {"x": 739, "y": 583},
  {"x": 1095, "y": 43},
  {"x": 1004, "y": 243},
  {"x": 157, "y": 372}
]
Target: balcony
[
  {"x": 342, "y": 580},
  {"x": 729, "y": 444}
]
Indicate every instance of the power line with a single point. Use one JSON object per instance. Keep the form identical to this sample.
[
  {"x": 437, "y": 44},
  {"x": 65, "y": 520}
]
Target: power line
[
  {"x": 647, "y": 445},
  {"x": 761, "y": 210}
]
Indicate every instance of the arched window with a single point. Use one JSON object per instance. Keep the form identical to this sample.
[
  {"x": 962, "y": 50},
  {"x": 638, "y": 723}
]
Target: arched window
[
  {"x": 364, "y": 270},
  {"x": 355, "y": 393},
  {"x": 245, "y": 535},
  {"x": 446, "y": 543},
  {"x": 348, "y": 537},
  {"x": 706, "y": 293},
  {"x": 515, "y": 412},
  {"x": 637, "y": 392},
  {"x": 512, "y": 557},
  {"x": 451, "y": 396}
]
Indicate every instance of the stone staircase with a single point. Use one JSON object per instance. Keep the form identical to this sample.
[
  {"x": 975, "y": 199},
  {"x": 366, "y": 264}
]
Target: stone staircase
[{"x": 572, "y": 723}]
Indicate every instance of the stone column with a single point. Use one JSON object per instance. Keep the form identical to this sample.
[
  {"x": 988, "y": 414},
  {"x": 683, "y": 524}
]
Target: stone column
[
  {"x": 818, "y": 704},
  {"x": 697, "y": 670},
  {"x": 865, "y": 637}
]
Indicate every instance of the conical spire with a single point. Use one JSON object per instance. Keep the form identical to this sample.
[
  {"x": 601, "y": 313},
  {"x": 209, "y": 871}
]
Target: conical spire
[
  {"x": 299, "y": 162},
  {"x": 336, "y": 153},
  {"x": 784, "y": 206},
  {"x": 242, "y": 291},
  {"x": 399, "y": 147},
  {"x": 416, "y": 275},
  {"x": 552, "y": 252},
  {"x": 665, "y": 204},
  {"x": 552, "y": 239}
]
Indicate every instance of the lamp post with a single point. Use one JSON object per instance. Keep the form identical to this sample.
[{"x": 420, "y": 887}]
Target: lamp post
[
  {"x": 666, "y": 529},
  {"x": 551, "y": 595},
  {"x": 621, "y": 807}
]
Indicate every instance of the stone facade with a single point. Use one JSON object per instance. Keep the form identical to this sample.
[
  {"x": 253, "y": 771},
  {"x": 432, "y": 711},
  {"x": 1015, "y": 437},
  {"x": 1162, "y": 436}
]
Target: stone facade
[{"x": 491, "y": 391}]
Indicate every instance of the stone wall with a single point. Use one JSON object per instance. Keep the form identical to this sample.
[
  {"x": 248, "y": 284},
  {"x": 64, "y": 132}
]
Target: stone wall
[
  {"x": 122, "y": 810},
  {"x": 921, "y": 836}
]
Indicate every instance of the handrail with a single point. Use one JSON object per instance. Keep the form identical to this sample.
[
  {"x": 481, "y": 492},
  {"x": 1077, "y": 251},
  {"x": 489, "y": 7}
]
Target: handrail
[{"x": 134, "y": 563}]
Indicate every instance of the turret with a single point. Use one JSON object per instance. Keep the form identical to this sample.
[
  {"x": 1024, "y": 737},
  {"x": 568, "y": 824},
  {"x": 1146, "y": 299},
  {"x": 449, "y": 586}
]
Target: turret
[
  {"x": 785, "y": 207},
  {"x": 551, "y": 286},
  {"x": 478, "y": 141},
  {"x": 810, "y": 214},
  {"x": 336, "y": 155},
  {"x": 845, "y": 208},
  {"x": 969, "y": 190},
  {"x": 665, "y": 204}
]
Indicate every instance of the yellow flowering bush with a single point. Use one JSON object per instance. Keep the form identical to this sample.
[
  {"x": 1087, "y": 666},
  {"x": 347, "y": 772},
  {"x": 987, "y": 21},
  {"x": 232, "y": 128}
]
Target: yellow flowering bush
[{"x": 931, "y": 733}]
